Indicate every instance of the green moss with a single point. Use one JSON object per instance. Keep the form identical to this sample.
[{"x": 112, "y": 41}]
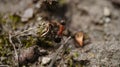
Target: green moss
[
  {"x": 5, "y": 50},
  {"x": 44, "y": 42},
  {"x": 76, "y": 54},
  {"x": 14, "y": 19},
  {"x": 62, "y": 2},
  {"x": 30, "y": 42},
  {"x": 2, "y": 20}
]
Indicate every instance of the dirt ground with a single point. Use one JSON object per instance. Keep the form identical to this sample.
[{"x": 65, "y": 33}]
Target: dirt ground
[
  {"x": 104, "y": 38},
  {"x": 88, "y": 16}
]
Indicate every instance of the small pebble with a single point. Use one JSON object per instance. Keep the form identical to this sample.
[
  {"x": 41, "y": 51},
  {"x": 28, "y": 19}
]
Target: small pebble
[
  {"x": 107, "y": 12},
  {"x": 27, "y": 55},
  {"x": 39, "y": 18},
  {"x": 45, "y": 60},
  {"x": 28, "y": 13},
  {"x": 107, "y": 20},
  {"x": 38, "y": 5}
]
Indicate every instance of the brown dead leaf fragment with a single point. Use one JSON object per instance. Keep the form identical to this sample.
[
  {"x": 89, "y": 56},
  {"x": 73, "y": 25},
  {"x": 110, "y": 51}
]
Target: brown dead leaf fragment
[{"x": 79, "y": 38}]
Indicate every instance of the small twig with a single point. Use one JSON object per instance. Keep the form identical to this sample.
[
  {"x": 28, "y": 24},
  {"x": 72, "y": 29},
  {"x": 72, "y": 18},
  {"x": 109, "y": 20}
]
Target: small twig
[
  {"x": 4, "y": 66},
  {"x": 20, "y": 44},
  {"x": 58, "y": 51},
  {"x": 46, "y": 31},
  {"x": 24, "y": 32},
  {"x": 18, "y": 38},
  {"x": 10, "y": 40}
]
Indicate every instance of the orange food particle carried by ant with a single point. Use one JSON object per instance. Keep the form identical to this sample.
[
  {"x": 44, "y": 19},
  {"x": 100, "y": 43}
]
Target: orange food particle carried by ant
[
  {"x": 79, "y": 38},
  {"x": 61, "y": 29}
]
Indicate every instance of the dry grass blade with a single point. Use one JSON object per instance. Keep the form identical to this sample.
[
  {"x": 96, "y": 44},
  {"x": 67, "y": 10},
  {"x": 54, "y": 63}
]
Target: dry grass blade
[
  {"x": 10, "y": 40},
  {"x": 58, "y": 51}
]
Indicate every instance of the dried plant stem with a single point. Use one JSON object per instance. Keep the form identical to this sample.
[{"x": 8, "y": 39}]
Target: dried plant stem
[
  {"x": 45, "y": 32},
  {"x": 23, "y": 33},
  {"x": 20, "y": 33},
  {"x": 20, "y": 44},
  {"x": 10, "y": 40},
  {"x": 58, "y": 51}
]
